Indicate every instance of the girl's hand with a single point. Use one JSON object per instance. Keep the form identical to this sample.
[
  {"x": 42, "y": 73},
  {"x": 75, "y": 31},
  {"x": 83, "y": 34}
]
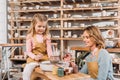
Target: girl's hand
[{"x": 38, "y": 57}]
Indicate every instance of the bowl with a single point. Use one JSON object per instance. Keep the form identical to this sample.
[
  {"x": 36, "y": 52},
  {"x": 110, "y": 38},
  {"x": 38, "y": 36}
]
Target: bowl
[{"x": 46, "y": 66}]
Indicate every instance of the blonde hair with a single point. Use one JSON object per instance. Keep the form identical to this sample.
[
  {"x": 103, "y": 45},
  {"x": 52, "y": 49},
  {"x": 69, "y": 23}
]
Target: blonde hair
[
  {"x": 38, "y": 17},
  {"x": 95, "y": 35}
]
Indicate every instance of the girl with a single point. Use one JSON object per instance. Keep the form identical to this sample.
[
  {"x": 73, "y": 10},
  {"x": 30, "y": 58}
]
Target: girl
[
  {"x": 38, "y": 45},
  {"x": 98, "y": 63}
]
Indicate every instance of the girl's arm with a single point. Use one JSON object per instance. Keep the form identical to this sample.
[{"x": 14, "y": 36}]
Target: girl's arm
[
  {"x": 29, "y": 46},
  {"x": 48, "y": 43}
]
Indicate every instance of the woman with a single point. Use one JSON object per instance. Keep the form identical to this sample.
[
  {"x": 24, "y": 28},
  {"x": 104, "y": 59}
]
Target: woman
[{"x": 98, "y": 63}]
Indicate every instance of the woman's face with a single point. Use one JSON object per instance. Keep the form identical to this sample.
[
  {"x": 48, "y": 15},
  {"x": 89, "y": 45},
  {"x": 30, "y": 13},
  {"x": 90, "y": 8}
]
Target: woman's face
[
  {"x": 40, "y": 27},
  {"x": 87, "y": 39}
]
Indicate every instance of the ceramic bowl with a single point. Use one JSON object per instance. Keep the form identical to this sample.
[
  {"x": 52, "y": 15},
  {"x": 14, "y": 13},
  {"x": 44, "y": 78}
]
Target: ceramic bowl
[{"x": 46, "y": 66}]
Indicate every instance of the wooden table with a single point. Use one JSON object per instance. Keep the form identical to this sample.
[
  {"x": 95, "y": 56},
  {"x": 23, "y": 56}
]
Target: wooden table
[{"x": 73, "y": 76}]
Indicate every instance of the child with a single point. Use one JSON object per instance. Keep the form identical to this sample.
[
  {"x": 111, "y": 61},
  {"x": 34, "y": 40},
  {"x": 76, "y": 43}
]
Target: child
[{"x": 38, "y": 44}]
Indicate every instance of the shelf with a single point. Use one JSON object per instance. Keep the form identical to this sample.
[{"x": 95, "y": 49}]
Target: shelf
[
  {"x": 17, "y": 38},
  {"x": 81, "y": 48},
  {"x": 90, "y": 8},
  {"x": 108, "y": 49},
  {"x": 32, "y": 1},
  {"x": 114, "y": 50},
  {"x": 115, "y": 62},
  {"x": 55, "y": 29},
  {"x": 104, "y": 1},
  {"x": 72, "y": 28},
  {"x": 11, "y": 45},
  {"x": 75, "y": 12},
  {"x": 102, "y": 27},
  {"x": 55, "y": 38},
  {"x": 72, "y": 19},
  {"x": 14, "y": 59},
  {"x": 117, "y": 74},
  {"x": 74, "y": 39},
  {"x": 91, "y": 18},
  {"x": 65, "y": 9},
  {"x": 37, "y": 10},
  {"x": 23, "y": 20},
  {"x": 77, "y": 1},
  {"x": 21, "y": 29}
]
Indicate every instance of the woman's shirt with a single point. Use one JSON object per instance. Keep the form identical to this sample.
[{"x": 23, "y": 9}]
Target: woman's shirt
[
  {"x": 30, "y": 45},
  {"x": 105, "y": 69}
]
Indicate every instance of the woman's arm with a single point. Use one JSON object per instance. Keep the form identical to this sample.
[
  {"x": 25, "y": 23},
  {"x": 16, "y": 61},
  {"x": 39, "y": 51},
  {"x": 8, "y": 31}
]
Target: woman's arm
[{"x": 84, "y": 69}]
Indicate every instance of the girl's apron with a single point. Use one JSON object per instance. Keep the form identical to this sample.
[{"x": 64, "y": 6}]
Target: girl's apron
[
  {"x": 93, "y": 67},
  {"x": 40, "y": 48}
]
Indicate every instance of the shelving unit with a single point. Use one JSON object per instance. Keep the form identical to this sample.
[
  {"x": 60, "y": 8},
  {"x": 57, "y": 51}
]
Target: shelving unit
[{"x": 67, "y": 19}]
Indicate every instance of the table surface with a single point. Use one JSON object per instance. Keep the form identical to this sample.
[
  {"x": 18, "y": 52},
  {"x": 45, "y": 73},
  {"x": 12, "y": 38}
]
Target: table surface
[{"x": 73, "y": 76}]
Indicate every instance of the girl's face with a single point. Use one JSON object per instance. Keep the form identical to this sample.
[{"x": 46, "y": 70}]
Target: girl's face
[
  {"x": 40, "y": 27},
  {"x": 87, "y": 39}
]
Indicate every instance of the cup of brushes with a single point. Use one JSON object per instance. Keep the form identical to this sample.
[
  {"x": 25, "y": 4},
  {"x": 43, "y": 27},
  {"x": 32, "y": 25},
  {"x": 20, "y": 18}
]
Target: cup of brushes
[{"x": 55, "y": 58}]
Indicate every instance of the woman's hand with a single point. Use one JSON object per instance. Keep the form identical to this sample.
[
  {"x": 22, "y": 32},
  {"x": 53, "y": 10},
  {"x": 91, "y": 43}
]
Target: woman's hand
[{"x": 38, "y": 57}]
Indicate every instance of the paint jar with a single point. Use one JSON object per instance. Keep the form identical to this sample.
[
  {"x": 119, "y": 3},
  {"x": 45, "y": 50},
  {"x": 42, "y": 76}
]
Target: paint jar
[{"x": 60, "y": 72}]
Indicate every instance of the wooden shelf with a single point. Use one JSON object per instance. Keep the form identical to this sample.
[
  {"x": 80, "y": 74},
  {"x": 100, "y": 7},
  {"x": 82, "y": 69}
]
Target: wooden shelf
[
  {"x": 33, "y": 1},
  {"x": 35, "y": 10},
  {"x": 73, "y": 39},
  {"x": 20, "y": 29},
  {"x": 90, "y": 8},
  {"x": 17, "y": 38},
  {"x": 117, "y": 74},
  {"x": 105, "y": 1},
  {"x": 65, "y": 9},
  {"x": 87, "y": 49},
  {"x": 72, "y": 19},
  {"x": 11, "y": 45},
  {"x": 61, "y": 9},
  {"x": 114, "y": 50},
  {"x": 81, "y": 48},
  {"x": 91, "y": 18},
  {"x": 24, "y": 20},
  {"x": 14, "y": 59},
  {"x": 115, "y": 62}
]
